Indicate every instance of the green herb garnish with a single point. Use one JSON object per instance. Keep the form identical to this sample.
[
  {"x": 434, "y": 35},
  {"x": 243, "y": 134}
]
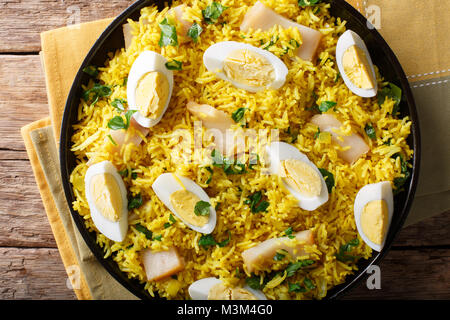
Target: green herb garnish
[
  {"x": 148, "y": 234},
  {"x": 399, "y": 182},
  {"x": 316, "y": 135},
  {"x": 168, "y": 34},
  {"x": 273, "y": 40},
  {"x": 238, "y": 115},
  {"x": 135, "y": 201},
  {"x": 212, "y": 12},
  {"x": 119, "y": 104},
  {"x": 96, "y": 92},
  {"x": 172, "y": 220},
  {"x": 256, "y": 203},
  {"x": 111, "y": 139},
  {"x": 326, "y": 105},
  {"x": 307, "y": 285},
  {"x": 292, "y": 268},
  {"x": 208, "y": 240},
  {"x": 91, "y": 70},
  {"x": 174, "y": 65},
  {"x": 194, "y": 31},
  {"x": 228, "y": 165},
  {"x": 343, "y": 249},
  {"x": 329, "y": 179},
  {"x": 288, "y": 233},
  {"x": 308, "y": 3},
  {"x": 253, "y": 161},
  {"x": 202, "y": 208},
  {"x": 280, "y": 255},
  {"x": 211, "y": 171},
  {"x": 370, "y": 131},
  {"x": 392, "y": 92},
  {"x": 158, "y": 237},
  {"x": 254, "y": 282},
  {"x": 117, "y": 122}
]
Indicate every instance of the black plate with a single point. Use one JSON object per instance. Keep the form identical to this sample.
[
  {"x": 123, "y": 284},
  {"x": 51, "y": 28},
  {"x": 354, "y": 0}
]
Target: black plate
[{"x": 112, "y": 39}]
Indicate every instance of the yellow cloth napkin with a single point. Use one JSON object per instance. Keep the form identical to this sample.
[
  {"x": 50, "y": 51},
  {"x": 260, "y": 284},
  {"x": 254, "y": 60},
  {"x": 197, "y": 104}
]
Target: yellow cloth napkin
[{"x": 64, "y": 49}]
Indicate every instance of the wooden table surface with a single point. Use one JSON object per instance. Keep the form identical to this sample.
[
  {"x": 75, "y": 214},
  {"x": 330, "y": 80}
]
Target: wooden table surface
[{"x": 417, "y": 267}]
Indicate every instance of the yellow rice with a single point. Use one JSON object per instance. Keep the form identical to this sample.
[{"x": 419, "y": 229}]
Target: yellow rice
[{"x": 333, "y": 223}]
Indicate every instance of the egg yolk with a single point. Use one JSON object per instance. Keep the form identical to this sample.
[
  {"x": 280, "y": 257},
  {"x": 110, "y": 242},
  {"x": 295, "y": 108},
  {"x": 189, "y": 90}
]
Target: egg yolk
[
  {"x": 374, "y": 220},
  {"x": 248, "y": 68},
  {"x": 184, "y": 201},
  {"x": 221, "y": 292},
  {"x": 301, "y": 177},
  {"x": 357, "y": 69},
  {"x": 107, "y": 197},
  {"x": 152, "y": 92}
]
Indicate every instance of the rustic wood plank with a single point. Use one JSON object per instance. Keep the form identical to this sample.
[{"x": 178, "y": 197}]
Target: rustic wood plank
[
  {"x": 23, "y": 222},
  {"x": 33, "y": 274},
  {"x": 429, "y": 232},
  {"x": 23, "y": 21},
  {"x": 409, "y": 274},
  {"x": 22, "y": 100}
]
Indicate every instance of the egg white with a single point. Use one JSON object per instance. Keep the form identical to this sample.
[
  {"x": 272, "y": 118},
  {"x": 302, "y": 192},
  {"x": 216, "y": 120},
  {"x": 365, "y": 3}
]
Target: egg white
[
  {"x": 146, "y": 62},
  {"x": 199, "y": 290},
  {"x": 166, "y": 184},
  {"x": 346, "y": 40},
  {"x": 115, "y": 231},
  {"x": 279, "y": 151},
  {"x": 215, "y": 55},
  {"x": 370, "y": 192}
]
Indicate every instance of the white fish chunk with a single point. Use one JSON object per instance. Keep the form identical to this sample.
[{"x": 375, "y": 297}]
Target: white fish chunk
[
  {"x": 358, "y": 147},
  {"x": 266, "y": 250},
  {"x": 261, "y": 17},
  {"x": 161, "y": 264}
]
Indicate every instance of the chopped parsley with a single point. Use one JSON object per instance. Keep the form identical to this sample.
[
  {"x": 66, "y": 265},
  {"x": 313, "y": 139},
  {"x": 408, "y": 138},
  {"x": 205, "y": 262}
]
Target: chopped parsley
[
  {"x": 326, "y": 105},
  {"x": 399, "y": 182},
  {"x": 343, "y": 249},
  {"x": 174, "y": 65},
  {"x": 91, "y": 70},
  {"x": 228, "y": 165},
  {"x": 168, "y": 34},
  {"x": 256, "y": 203},
  {"x": 392, "y": 92},
  {"x": 211, "y": 171},
  {"x": 280, "y": 255},
  {"x": 96, "y": 92},
  {"x": 316, "y": 135},
  {"x": 308, "y": 3},
  {"x": 254, "y": 282},
  {"x": 212, "y": 12},
  {"x": 202, "y": 208},
  {"x": 307, "y": 286},
  {"x": 172, "y": 220},
  {"x": 111, "y": 139},
  {"x": 370, "y": 131},
  {"x": 238, "y": 115},
  {"x": 253, "y": 161},
  {"x": 194, "y": 31},
  {"x": 329, "y": 179},
  {"x": 119, "y": 104},
  {"x": 135, "y": 201},
  {"x": 148, "y": 234},
  {"x": 158, "y": 237},
  {"x": 208, "y": 240},
  {"x": 117, "y": 122},
  {"x": 288, "y": 233},
  {"x": 292, "y": 268}
]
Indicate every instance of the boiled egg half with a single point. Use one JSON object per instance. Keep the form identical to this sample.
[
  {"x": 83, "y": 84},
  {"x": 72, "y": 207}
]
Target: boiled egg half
[
  {"x": 300, "y": 176},
  {"x": 107, "y": 199},
  {"x": 149, "y": 88},
  {"x": 355, "y": 65},
  {"x": 245, "y": 66},
  {"x": 373, "y": 209},
  {"x": 182, "y": 195},
  {"x": 214, "y": 289}
]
